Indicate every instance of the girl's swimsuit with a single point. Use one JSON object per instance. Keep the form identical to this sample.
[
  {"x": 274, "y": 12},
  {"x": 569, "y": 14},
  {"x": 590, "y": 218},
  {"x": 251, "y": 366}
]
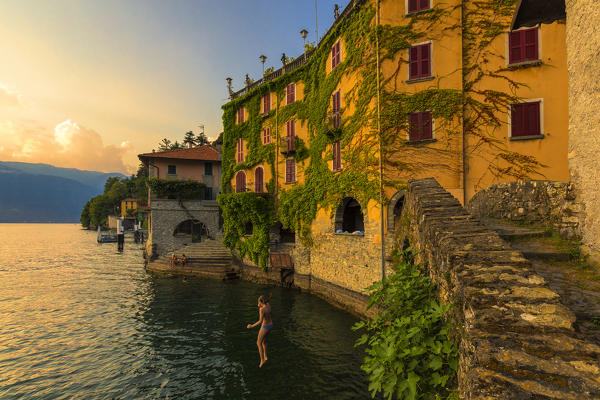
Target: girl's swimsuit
[{"x": 267, "y": 327}]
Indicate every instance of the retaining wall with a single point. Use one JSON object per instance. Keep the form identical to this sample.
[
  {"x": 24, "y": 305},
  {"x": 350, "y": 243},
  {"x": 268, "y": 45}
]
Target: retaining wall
[
  {"x": 516, "y": 338},
  {"x": 548, "y": 203}
]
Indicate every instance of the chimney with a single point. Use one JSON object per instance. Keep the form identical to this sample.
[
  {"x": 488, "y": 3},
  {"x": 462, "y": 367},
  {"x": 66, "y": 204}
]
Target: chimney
[{"x": 154, "y": 151}]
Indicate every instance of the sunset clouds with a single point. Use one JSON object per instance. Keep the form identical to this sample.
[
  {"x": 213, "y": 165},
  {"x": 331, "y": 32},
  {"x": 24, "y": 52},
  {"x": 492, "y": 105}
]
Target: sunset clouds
[
  {"x": 68, "y": 144},
  {"x": 9, "y": 98}
]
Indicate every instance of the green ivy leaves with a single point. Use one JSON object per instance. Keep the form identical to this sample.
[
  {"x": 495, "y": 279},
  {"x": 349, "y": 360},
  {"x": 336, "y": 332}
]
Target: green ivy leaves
[{"x": 410, "y": 354}]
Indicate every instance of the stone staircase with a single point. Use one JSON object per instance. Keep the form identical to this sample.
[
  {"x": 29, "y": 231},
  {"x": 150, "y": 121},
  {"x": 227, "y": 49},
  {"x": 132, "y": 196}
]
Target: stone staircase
[
  {"x": 558, "y": 262},
  {"x": 208, "y": 258}
]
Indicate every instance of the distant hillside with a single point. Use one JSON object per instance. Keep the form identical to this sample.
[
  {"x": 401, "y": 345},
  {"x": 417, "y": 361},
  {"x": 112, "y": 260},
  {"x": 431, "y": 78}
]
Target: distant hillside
[
  {"x": 43, "y": 193},
  {"x": 93, "y": 179}
]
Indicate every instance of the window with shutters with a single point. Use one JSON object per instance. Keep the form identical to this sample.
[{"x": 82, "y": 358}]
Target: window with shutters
[
  {"x": 290, "y": 135},
  {"x": 241, "y": 114},
  {"x": 240, "y": 182},
  {"x": 419, "y": 61},
  {"x": 266, "y": 136},
  {"x": 523, "y": 46},
  {"x": 258, "y": 180},
  {"x": 420, "y": 126},
  {"x": 418, "y": 5},
  {"x": 336, "y": 55},
  {"x": 336, "y": 164},
  {"x": 336, "y": 109},
  {"x": 266, "y": 103},
  {"x": 240, "y": 150},
  {"x": 525, "y": 119},
  {"x": 290, "y": 170},
  {"x": 290, "y": 91}
]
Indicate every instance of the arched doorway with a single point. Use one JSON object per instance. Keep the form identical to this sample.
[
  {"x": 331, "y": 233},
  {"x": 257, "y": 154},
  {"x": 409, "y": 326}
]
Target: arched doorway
[
  {"x": 191, "y": 228},
  {"x": 259, "y": 180},
  {"x": 240, "y": 182},
  {"x": 349, "y": 217},
  {"x": 395, "y": 208}
]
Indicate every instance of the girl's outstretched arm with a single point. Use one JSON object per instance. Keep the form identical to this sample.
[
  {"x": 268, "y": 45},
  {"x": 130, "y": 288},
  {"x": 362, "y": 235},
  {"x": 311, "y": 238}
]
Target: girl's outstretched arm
[{"x": 260, "y": 318}]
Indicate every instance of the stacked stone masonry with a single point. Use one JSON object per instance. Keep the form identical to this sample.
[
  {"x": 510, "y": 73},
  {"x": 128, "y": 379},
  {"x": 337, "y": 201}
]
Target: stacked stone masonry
[
  {"x": 167, "y": 214},
  {"x": 516, "y": 339},
  {"x": 546, "y": 203},
  {"x": 583, "y": 58}
]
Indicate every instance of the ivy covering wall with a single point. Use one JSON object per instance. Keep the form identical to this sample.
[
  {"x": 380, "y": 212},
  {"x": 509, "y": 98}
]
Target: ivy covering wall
[{"x": 464, "y": 110}]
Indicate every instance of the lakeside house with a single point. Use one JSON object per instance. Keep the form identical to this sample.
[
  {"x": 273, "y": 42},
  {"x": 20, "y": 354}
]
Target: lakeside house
[
  {"x": 446, "y": 90},
  {"x": 175, "y": 222}
]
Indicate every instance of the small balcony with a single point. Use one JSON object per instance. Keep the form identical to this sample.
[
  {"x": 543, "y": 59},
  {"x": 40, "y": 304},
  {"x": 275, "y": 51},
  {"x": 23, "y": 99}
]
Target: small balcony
[{"x": 288, "y": 146}]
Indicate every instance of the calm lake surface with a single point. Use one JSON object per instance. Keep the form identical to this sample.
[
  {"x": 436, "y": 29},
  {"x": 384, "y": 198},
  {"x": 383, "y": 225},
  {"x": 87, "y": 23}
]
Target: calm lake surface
[{"x": 80, "y": 321}]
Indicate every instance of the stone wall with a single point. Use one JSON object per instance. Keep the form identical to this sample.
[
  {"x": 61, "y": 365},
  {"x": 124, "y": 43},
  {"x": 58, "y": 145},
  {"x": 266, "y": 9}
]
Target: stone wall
[
  {"x": 516, "y": 339},
  {"x": 583, "y": 58},
  {"x": 165, "y": 215},
  {"x": 548, "y": 203}
]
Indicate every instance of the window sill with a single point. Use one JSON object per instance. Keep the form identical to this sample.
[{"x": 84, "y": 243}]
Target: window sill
[
  {"x": 531, "y": 137},
  {"x": 290, "y": 183},
  {"x": 524, "y": 64},
  {"x": 412, "y": 14},
  {"x": 417, "y": 142},
  {"x": 417, "y": 80},
  {"x": 349, "y": 234},
  {"x": 335, "y": 171}
]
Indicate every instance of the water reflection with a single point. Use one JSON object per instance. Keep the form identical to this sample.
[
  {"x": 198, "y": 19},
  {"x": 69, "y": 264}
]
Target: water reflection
[{"x": 78, "y": 320}]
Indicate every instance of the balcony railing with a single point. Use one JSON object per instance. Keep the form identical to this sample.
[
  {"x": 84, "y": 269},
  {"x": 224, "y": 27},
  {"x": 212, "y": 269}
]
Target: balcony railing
[{"x": 288, "y": 145}]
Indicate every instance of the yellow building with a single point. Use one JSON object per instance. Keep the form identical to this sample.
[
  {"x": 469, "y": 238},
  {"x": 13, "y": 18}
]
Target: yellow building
[
  {"x": 129, "y": 207},
  {"x": 429, "y": 88}
]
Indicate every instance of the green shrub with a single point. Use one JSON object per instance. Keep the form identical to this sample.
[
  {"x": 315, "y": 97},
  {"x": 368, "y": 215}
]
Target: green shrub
[
  {"x": 410, "y": 354},
  {"x": 177, "y": 189}
]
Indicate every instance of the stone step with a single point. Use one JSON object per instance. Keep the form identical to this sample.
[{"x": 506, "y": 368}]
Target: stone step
[
  {"x": 542, "y": 251},
  {"x": 514, "y": 232}
]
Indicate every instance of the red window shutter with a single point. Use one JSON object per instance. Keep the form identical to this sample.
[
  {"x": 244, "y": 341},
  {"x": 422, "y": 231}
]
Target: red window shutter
[
  {"x": 515, "y": 47},
  {"x": 338, "y": 54},
  {"x": 336, "y": 109},
  {"x": 267, "y": 103},
  {"x": 333, "y": 57},
  {"x": 291, "y": 133},
  {"x": 290, "y": 170},
  {"x": 517, "y": 120},
  {"x": 531, "y": 44},
  {"x": 258, "y": 180},
  {"x": 337, "y": 156},
  {"x": 413, "y": 126},
  {"x": 423, "y": 5},
  {"x": 414, "y": 63},
  {"x": 427, "y": 126},
  {"x": 291, "y": 93},
  {"x": 425, "y": 60},
  {"x": 413, "y": 5},
  {"x": 240, "y": 182},
  {"x": 533, "y": 118}
]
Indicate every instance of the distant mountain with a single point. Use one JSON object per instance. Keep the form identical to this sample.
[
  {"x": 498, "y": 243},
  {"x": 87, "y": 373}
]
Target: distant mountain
[
  {"x": 43, "y": 193},
  {"x": 94, "y": 179}
]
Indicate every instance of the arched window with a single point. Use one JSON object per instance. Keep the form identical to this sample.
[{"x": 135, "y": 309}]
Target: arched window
[
  {"x": 258, "y": 180},
  {"x": 240, "y": 182},
  {"x": 349, "y": 217}
]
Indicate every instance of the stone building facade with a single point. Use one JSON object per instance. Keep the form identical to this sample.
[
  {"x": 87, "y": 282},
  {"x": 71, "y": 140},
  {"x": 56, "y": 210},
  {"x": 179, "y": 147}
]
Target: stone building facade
[
  {"x": 583, "y": 42},
  {"x": 167, "y": 215}
]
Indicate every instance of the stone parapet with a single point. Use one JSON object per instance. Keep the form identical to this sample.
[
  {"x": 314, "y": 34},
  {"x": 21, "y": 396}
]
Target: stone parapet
[
  {"x": 548, "y": 203},
  {"x": 165, "y": 215},
  {"x": 516, "y": 339}
]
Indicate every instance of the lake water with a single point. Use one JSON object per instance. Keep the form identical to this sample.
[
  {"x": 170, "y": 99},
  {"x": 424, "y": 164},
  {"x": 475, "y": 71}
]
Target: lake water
[{"x": 78, "y": 320}]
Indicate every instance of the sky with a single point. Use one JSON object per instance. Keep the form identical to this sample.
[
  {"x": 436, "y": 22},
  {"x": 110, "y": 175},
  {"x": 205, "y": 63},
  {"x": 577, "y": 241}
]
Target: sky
[{"x": 90, "y": 84}]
